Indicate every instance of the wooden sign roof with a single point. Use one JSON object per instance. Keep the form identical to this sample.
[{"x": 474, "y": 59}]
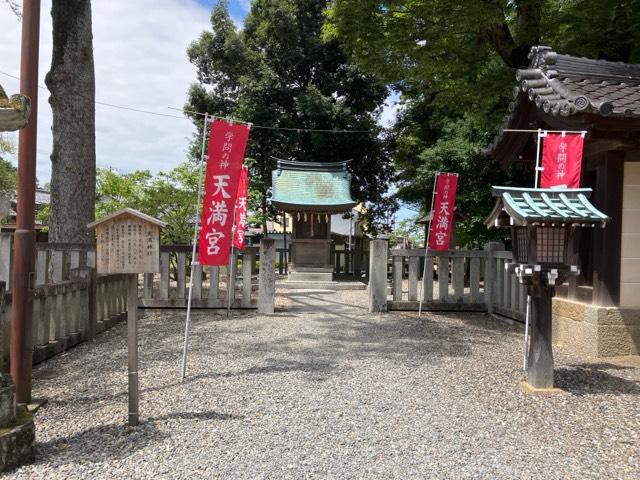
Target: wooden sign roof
[{"x": 127, "y": 211}]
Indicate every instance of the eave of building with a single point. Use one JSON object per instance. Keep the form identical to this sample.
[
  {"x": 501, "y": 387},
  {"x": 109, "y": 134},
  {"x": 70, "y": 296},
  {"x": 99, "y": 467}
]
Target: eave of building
[{"x": 561, "y": 92}]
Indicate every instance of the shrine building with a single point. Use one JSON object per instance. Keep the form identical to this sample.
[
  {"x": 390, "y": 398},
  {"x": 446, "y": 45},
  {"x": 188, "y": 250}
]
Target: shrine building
[
  {"x": 598, "y": 311},
  {"x": 311, "y": 193}
]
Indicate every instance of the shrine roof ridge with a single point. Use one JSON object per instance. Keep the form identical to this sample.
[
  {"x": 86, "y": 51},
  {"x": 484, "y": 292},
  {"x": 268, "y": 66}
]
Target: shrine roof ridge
[
  {"x": 339, "y": 166},
  {"x": 129, "y": 211}
]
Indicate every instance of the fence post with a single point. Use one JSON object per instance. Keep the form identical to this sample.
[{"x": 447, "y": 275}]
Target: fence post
[
  {"x": 378, "y": 254},
  {"x": 490, "y": 273},
  {"x": 267, "y": 284},
  {"x": 88, "y": 318},
  {"x": 5, "y": 258}
]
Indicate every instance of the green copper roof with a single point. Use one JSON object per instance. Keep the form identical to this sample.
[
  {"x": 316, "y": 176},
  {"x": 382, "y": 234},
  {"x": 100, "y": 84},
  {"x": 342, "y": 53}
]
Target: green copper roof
[
  {"x": 312, "y": 186},
  {"x": 542, "y": 206}
]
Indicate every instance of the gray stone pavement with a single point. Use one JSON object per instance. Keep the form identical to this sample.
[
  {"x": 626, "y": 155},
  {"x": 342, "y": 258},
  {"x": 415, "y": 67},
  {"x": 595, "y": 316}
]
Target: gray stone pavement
[{"x": 322, "y": 389}]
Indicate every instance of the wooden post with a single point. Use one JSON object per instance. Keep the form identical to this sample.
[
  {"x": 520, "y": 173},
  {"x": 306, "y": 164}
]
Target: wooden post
[
  {"x": 490, "y": 274},
  {"x": 378, "y": 254},
  {"x": 132, "y": 348},
  {"x": 88, "y": 318},
  {"x": 540, "y": 359},
  {"x": 267, "y": 284}
]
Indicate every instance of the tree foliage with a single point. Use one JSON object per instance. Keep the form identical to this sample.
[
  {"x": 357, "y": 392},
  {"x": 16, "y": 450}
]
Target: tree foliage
[
  {"x": 168, "y": 196},
  {"x": 8, "y": 171},
  {"x": 277, "y": 71},
  {"x": 454, "y": 64}
]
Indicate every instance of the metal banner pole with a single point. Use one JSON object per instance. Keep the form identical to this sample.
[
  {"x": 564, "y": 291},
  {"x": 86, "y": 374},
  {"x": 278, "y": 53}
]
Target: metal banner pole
[
  {"x": 203, "y": 158},
  {"x": 426, "y": 248},
  {"x": 231, "y": 281}
]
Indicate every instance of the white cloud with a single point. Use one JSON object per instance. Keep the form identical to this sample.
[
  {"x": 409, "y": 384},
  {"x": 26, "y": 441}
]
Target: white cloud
[{"x": 140, "y": 61}]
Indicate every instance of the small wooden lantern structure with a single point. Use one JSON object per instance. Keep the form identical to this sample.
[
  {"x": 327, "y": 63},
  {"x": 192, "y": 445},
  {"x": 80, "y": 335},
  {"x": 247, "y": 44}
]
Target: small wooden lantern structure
[
  {"x": 543, "y": 222},
  {"x": 128, "y": 241}
]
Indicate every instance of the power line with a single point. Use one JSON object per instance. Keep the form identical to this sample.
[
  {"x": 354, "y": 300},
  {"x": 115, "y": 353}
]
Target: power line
[{"x": 184, "y": 117}]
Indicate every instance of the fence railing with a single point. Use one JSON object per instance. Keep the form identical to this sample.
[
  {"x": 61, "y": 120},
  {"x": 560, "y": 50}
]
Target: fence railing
[
  {"x": 453, "y": 281},
  {"x": 67, "y": 313},
  {"x": 169, "y": 288},
  {"x": 472, "y": 280}
]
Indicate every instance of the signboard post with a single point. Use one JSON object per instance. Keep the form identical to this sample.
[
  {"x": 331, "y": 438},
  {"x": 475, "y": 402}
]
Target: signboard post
[{"x": 128, "y": 242}]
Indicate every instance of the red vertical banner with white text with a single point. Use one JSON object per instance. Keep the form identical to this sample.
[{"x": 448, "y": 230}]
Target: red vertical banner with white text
[
  {"x": 227, "y": 143},
  {"x": 561, "y": 160},
  {"x": 444, "y": 200},
  {"x": 241, "y": 210}
]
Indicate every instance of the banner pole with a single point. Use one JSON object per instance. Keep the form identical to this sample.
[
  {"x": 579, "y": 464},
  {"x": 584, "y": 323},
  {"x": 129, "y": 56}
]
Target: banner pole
[
  {"x": 231, "y": 282},
  {"x": 538, "y": 167},
  {"x": 185, "y": 347},
  {"x": 426, "y": 247}
]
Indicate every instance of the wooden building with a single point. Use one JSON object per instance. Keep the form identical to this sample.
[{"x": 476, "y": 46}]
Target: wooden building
[
  {"x": 311, "y": 193},
  {"x": 562, "y": 92}
]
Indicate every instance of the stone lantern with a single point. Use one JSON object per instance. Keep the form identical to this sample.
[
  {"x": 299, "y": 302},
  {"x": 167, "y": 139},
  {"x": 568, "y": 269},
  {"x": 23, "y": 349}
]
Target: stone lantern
[{"x": 543, "y": 223}]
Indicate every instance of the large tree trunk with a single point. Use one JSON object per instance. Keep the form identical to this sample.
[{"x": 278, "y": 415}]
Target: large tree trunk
[{"x": 71, "y": 82}]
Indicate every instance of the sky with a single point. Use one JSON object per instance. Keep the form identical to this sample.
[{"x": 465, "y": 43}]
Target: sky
[{"x": 140, "y": 62}]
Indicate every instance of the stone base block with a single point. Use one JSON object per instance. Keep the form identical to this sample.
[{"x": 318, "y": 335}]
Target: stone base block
[
  {"x": 531, "y": 390},
  {"x": 591, "y": 330},
  {"x": 325, "y": 277},
  {"x": 18, "y": 444}
]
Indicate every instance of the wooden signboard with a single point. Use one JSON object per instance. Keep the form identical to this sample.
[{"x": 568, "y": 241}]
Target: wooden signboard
[{"x": 128, "y": 241}]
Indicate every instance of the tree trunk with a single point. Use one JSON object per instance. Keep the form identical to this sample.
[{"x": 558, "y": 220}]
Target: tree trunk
[{"x": 71, "y": 82}]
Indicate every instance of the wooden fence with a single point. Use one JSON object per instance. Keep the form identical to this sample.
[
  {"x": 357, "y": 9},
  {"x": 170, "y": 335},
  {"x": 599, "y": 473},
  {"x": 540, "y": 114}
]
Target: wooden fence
[
  {"x": 169, "y": 288},
  {"x": 471, "y": 280}
]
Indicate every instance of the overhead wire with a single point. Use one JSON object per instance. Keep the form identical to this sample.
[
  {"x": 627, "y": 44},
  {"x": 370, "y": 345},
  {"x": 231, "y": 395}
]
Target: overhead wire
[{"x": 185, "y": 117}]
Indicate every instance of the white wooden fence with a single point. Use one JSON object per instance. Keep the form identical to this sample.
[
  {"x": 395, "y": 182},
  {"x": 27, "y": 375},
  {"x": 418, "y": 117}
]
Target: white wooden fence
[
  {"x": 169, "y": 288},
  {"x": 470, "y": 280}
]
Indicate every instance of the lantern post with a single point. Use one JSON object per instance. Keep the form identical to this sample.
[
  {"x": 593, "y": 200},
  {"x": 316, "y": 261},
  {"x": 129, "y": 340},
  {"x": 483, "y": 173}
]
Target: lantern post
[{"x": 543, "y": 223}]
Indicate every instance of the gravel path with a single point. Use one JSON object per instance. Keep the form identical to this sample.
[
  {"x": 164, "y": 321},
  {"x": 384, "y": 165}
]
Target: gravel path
[{"x": 325, "y": 390}]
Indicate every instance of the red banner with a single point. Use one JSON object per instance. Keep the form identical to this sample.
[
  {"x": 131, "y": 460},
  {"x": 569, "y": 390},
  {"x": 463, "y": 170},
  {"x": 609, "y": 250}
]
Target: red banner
[
  {"x": 241, "y": 210},
  {"x": 561, "y": 160},
  {"x": 227, "y": 143},
  {"x": 444, "y": 201}
]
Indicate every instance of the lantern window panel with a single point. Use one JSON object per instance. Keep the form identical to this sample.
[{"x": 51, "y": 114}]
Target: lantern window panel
[{"x": 550, "y": 245}]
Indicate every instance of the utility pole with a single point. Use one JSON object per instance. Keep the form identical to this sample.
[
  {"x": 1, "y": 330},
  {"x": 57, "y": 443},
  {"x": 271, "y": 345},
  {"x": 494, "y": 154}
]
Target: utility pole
[{"x": 24, "y": 242}]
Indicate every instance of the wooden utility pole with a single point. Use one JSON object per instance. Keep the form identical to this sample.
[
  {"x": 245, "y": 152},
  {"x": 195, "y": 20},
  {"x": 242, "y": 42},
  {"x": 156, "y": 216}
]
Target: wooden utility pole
[{"x": 24, "y": 243}]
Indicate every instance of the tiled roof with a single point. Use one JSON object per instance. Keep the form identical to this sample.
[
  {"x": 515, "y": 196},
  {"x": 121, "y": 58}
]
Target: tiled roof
[
  {"x": 311, "y": 186},
  {"x": 537, "y": 206},
  {"x": 564, "y": 85}
]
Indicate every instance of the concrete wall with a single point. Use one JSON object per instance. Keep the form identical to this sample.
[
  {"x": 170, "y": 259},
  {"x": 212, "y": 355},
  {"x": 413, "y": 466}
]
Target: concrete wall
[
  {"x": 594, "y": 331},
  {"x": 630, "y": 255}
]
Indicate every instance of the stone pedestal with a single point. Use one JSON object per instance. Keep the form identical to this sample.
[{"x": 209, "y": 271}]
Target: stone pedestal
[{"x": 17, "y": 431}]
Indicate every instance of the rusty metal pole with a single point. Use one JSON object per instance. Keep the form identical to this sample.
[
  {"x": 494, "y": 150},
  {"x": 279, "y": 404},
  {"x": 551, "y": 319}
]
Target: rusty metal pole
[{"x": 24, "y": 240}]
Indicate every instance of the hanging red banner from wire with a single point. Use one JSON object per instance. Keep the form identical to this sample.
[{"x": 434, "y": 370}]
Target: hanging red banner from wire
[
  {"x": 227, "y": 143},
  {"x": 561, "y": 160},
  {"x": 241, "y": 210},
  {"x": 444, "y": 200}
]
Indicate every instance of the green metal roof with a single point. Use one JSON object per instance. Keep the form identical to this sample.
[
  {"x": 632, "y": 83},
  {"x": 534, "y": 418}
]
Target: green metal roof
[
  {"x": 312, "y": 186},
  {"x": 543, "y": 206}
]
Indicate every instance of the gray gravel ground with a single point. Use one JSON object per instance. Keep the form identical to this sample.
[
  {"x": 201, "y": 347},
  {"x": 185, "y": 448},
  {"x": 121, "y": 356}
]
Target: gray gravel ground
[{"x": 325, "y": 390}]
